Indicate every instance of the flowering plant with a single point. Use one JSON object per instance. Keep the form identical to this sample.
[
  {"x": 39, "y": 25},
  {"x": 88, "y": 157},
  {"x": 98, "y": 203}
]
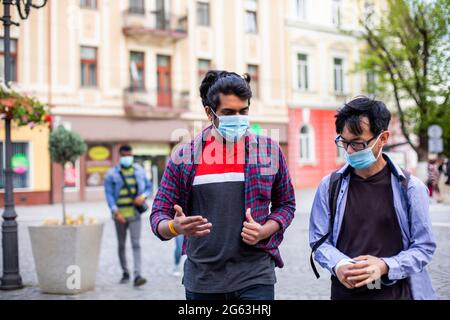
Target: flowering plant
[{"x": 22, "y": 109}]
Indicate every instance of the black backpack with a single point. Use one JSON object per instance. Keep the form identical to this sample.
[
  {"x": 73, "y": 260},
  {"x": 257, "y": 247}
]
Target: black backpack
[{"x": 333, "y": 193}]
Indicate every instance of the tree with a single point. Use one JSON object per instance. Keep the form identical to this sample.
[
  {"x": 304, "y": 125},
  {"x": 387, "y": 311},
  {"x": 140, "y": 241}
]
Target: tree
[
  {"x": 407, "y": 49},
  {"x": 65, "y": 146}
]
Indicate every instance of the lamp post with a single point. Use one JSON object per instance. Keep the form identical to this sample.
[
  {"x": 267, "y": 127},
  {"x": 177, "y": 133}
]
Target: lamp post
[{"x": 11, "y": 278}]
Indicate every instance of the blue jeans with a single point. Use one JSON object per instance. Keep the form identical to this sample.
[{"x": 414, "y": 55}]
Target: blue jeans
[{"x": 256, "y": 292}]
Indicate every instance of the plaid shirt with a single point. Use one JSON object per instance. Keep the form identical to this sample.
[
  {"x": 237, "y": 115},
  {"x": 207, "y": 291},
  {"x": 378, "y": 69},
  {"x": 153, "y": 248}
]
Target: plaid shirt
[{"x": 267, "y": 182}]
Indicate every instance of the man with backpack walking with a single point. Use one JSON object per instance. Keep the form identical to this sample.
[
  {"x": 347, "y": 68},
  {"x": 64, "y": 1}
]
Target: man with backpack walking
[
  {"x": 369, "y": 223},
  {"x": 126, "y": 190}
]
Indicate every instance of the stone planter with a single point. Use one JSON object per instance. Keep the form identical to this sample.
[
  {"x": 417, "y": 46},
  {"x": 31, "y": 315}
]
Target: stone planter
[{"x": 66, "y": 257}]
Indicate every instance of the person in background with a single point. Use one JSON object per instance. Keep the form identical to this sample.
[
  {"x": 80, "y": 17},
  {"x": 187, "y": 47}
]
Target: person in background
[
  {"x": 122, "y": 200},
  {"x": 176, "y": 271},
  {"x": 447, "y": 172},
  {"x": 433, "y": 179}
]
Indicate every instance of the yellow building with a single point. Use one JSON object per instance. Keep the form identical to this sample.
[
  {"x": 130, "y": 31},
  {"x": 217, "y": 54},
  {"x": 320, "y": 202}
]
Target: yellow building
[
  {"x": 31, "y": 160},
  {"x": 31, "y": 165}
]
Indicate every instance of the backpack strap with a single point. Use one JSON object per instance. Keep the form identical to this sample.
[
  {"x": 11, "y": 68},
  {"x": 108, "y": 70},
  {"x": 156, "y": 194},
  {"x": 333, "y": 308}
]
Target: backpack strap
[
  {"x": 127, "y": 186},
  {"x": 333, "y": 193}
]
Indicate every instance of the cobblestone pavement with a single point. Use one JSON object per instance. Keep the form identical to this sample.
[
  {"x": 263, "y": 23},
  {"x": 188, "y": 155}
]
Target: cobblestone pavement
[{"x": 295, "y": 281}]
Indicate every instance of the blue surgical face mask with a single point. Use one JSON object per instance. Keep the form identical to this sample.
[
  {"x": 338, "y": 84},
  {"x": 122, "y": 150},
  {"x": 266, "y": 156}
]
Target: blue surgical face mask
[
  {"x": 126, "y": 161},
  {"x": 232, "y": 128},
  {"x": 363, "y": 159}
]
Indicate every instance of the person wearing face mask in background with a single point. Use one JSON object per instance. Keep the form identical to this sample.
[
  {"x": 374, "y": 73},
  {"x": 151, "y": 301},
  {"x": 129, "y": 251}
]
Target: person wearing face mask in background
[
  {"x": 126, "y": 188},
  {"x": 374, "y": 236},
  {"x": 232, "y": 212}
]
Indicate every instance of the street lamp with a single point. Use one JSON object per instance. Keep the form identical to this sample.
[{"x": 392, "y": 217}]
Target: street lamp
[{"x": 11, "y": 278}]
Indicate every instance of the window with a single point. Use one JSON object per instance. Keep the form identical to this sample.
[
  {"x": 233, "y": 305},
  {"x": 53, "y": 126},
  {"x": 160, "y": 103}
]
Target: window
[
  {"x": 204, "y": 66},
  {"x": 370, "y": 80},
  {"x": 13, "y": 50},
  {"x": 164, "y": 80},
  {"x": 88, "y": 67},
  {"x": 303, "y": 81},
  {"x": 88, "y": 4},
  {"x": 307, "y": 152},
  {"x": 203, "y": 14},
  {"x": 336, "y": 12},
  {"x": 251, "y": 17},
  {"x": 137, "y": 71},
  {"x": 72, "y": 175},
  {"x": 251, "y": 22},
  {"x": 338, "y": 76},
  {"x": 20, "y": 165},
  {"x": 137, "y": 6},
  {"x": 253, "y": 71},
  {"x": 162, "y": 22},
  {"x": 300, "y": 9}
]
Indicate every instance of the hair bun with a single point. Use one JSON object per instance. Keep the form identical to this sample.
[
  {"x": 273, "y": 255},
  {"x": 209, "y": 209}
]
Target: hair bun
[
  {"x": 210, "y": 78},
  {"x": 247, "y": 77}
]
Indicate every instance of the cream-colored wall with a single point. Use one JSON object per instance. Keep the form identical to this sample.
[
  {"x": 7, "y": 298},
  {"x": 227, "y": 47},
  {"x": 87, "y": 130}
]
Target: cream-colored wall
[
  {"x": 229, "y": 47},
  {"x": 225, "y": 43},
  {"x": 317, "y": 37}
]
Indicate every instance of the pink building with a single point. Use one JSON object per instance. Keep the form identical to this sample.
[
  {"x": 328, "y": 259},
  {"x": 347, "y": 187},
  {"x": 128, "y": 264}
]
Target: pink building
[{"x": 312, "y": 152}]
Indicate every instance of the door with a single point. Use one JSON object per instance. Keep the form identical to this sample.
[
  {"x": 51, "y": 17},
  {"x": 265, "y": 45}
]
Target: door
[{"x": 164, "y": 76}]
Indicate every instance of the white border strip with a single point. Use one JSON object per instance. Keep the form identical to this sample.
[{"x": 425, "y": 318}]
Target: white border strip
[{"x": 219, "y": 178}]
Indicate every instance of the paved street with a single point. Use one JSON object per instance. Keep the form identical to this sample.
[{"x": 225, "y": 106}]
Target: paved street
[{"x": 295, "y": 281}]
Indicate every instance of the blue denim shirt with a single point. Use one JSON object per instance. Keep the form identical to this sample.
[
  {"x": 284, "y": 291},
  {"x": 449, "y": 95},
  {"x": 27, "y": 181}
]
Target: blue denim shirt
[
  {"x": 113, "y": 183},
  {"x": 418, "y": 240}
]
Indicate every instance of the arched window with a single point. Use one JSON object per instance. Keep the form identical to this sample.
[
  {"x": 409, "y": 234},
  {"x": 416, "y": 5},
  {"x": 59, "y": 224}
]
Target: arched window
[{"x": 307, "y": 144}]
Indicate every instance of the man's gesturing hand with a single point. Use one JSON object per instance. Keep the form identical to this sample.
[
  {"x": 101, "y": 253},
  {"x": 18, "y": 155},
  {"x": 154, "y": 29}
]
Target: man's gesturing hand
[
  {"x": 190, "y": 226},
  {"x": 252, "y": 231}
]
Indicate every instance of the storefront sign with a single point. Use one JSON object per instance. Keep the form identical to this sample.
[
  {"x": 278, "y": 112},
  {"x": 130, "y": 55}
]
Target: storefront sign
[{"x": 98, "y": 163}]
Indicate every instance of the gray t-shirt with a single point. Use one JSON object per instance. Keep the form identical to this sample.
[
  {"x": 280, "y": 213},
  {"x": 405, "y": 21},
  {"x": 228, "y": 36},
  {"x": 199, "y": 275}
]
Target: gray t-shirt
[{"x": 221, "y": 262}]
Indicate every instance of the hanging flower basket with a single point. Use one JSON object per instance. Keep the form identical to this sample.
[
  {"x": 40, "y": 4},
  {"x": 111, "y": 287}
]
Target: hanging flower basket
[{"x": 23, "y": 110}]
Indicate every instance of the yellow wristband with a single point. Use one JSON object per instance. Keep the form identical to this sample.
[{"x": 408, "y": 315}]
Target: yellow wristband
[{"x": 172, "y": 229}]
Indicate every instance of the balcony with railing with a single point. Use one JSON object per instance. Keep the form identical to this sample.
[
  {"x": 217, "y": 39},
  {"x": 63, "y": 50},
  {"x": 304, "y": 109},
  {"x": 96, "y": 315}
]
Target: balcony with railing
[
  {"x": 154, "y": 25},
  {"x": 155, "y": 104}
]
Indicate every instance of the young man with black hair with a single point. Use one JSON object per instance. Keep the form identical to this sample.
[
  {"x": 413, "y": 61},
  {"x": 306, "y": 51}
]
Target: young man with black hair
[
  {"x": 229, "y": 193},
  {"x": 374, "y": 236},
  {"x": 126, "y": 188}
]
